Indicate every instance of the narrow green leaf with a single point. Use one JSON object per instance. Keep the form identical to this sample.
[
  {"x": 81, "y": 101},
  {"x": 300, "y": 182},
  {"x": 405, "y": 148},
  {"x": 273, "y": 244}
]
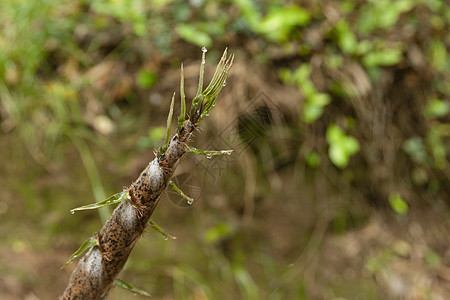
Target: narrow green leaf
[
  {"x": 202, "y": 71},
  {"x": 245, "y": 282},
  {"x": 161, "y": 231},
  {"x": 114, "y": 199},
  {"x": 219, "y": 69},
  {"x": 207, "y": 153},
  {"x": 177, "y": 190},
  {"x": 130, "y": 288},
  {"x": 89, "y": 243},
  {"x": 168, "y": 128},
  {"x": 183, "y": 101}
]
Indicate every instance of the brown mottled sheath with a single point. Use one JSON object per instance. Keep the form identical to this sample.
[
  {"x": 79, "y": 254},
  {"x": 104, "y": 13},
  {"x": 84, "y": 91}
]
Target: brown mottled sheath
[{"x": 96, "y": 271}]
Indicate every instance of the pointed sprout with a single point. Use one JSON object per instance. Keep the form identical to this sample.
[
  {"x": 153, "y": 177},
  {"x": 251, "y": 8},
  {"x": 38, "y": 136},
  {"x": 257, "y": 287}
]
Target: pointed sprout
[
  {"x": 202, "y": 71},
  {"x": 198, "y": 97},
  {"x": 169, "y": 121},
  {"x": 177, "y": 190},
  {"x": 130, "y": 288},
  {"x": 161, "y": 231},
  {"x": 89, "y": 243},
  {"x": 183, "y": 101},
  {"x": 168, "y": 127},
  {"x": 114, "y": 199}
]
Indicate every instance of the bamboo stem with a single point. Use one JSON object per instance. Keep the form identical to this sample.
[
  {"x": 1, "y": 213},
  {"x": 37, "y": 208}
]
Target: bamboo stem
[{"x": 97, "y": 270}]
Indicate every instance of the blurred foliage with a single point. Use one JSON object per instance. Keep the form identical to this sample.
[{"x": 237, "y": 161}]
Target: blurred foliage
[
  {"x": 368, "y": 119},
  {"x": 342, "y": 146},
  {"x": 398, "y": 204}
]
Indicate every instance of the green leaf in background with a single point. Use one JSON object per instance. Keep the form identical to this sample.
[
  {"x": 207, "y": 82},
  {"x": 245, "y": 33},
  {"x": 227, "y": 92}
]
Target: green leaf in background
[
  {"x": 312, "y": 159},
  {"x": 381, "y": 14},
  {"x": 311, "y": 112},
  {"x": 437, "y": 147},
  {"x": 437, "y": 108},
  {"x": 315, "y": 102},
  {"x": 217, "y": 232},
  {"x": 415, "y": 148},
  {"x": 249, "y": 12},
  {"x": 186, "y": 277},
  {"x": 130, "y": 288},
  {"x": 153, "y": 139},
  {"x": 387, "y": 57},
  {"x": 146, "y": 79},
  {"x": 193, "y": 35},
  {"x": 313, "y": 106},
  {"x": 398, "y": 204},
  {"x": 346, "y": 39},
  {"x": 302, "y": 73},
  {"x": 432, "y": 258},
  {"x": 279, "y": 23},
  {"x": 245, "y": 282},
  {"x": 342, "y": 146},
  {"x": 438, "y": 55},
  {"x": 90, "y": 242}
]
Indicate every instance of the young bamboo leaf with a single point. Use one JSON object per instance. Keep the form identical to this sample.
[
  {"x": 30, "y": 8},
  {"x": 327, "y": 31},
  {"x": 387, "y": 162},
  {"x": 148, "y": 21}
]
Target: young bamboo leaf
[
  {"x": 207, "y": 153},
  {"x": 161, "y": 231},
  {"x": 130, "y": 288},
  {"x": 90, "y": 242},
  {"x": 202, "y": 71},
  {"x": 177, "y": 190},
  {"x": 114, "y": 199},
  {"x": 183, "y": 101},
  {"x": 219, "y": 69},
  {"x": 217, "y": 85},
  {"x": 198, "y": 99},
  {"x": 168, "y": 127},
  {"x": 203, "y": 102}
]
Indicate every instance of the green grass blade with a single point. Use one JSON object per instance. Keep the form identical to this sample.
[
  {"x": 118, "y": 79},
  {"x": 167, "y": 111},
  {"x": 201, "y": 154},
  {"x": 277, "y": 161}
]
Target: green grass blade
[
  {"x": 114, "y": 199},
  {"x": 177, "y": 190},
  {"x": 89, "y": 243},
  {"x": 130, "y": 288},
  {"x": 92, "y": 171},
  {"x": 161, "y": 231},
  {"x": 183, "y": 101}
]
